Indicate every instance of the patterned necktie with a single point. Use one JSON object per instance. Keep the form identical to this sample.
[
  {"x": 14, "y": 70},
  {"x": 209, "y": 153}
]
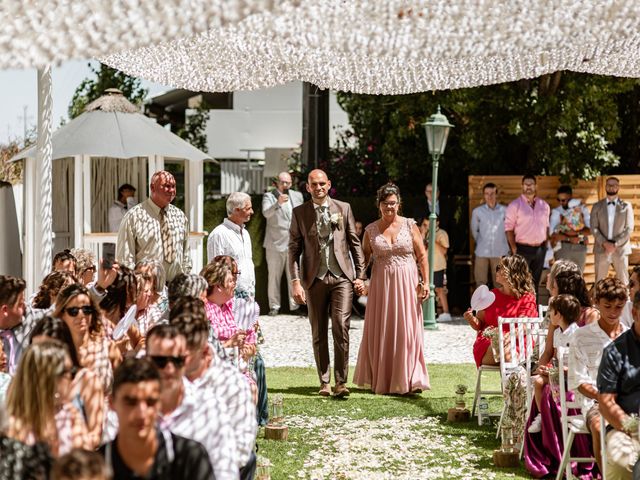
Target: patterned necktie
[
  {"x": 323, "y": 221},
  {"x": 7, "y": 335},
  {"x": 167, "y": 240}
]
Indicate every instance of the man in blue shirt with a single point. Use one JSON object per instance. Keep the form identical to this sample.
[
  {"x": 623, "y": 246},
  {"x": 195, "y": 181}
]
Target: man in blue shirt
[{"x": 487, "y": 228}]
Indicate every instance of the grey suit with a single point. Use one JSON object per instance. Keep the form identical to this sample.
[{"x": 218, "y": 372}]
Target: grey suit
[
  {"x": 276, "y": 242},
  {"x": 623, "y": 224}
]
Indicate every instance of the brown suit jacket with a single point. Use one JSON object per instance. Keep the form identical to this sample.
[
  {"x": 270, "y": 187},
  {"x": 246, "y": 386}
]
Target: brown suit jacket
[
  {"x": 304, "y": 247},
  {"x": 622, "y": 226}
]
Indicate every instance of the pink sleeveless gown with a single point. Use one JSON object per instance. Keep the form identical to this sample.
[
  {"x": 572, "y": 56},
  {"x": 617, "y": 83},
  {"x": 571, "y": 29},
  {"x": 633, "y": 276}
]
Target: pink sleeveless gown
[{"x": 391, "y": 358}]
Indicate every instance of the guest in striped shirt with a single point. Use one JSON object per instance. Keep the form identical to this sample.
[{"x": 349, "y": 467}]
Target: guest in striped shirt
[
  {"x": 210, "y": 376},
  {"x": 585, "y": 352}
]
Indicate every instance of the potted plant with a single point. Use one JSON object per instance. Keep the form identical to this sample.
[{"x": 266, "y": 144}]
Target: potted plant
[{"x": 461, "y": 390}]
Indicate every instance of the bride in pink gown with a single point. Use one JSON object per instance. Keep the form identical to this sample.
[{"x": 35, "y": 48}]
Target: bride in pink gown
[{"x": 391, "y": 358}]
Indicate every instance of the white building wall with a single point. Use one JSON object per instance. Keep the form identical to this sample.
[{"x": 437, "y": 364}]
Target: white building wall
[{"x": 268, "y": 118}]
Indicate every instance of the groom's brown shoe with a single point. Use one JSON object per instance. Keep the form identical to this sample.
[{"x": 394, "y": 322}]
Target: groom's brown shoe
[
  {"x": 341, "y": 390},
  {"x": 325, "y": 390}
]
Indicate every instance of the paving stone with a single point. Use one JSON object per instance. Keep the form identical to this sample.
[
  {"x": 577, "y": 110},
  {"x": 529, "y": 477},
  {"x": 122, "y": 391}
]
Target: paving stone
[{"x": 288, "y": 341}]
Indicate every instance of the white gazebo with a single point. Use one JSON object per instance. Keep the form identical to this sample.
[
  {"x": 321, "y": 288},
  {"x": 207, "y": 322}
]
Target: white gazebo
[{"x": 109, "y": 144}]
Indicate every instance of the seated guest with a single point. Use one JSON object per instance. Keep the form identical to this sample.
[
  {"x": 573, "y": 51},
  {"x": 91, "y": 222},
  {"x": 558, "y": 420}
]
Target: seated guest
[
  {"x": 182, "y": 411},
  {"x": 38, "y": 402},
  {"x": 568, "y": 280},
  {"x": 619, "y": 397},
  {"x": 95, "y": 350},
  {"x": 64, "y": 262},
  {"x": 221, "y": 276},
  {"x": 5, "y": 378},
  {"x": 634, "y": 287},
  {"x": 120, "y": 295},
  {"x": 85, "y": 265},
  {"x": 515, "y": 297},
  {"x": 155, "y": 270},
  {"x": 80, "y": 465},
  {"x": 19, "y": 460},
  {"x": 141, "y": 449},
  {"x": 210, "y": 375},
  {"x": 87, "y": 390},
  {"x": 51, "y": 285},
  {"x": 16, "y": 319},
  {"x": 585, "y": 352},
  {"x": 543, "y": 438}
]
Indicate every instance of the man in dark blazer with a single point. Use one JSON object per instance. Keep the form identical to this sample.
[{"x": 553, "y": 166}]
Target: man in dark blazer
[
  {"x": 612, "y": 226},
  {"x": 321, "y": 237}
]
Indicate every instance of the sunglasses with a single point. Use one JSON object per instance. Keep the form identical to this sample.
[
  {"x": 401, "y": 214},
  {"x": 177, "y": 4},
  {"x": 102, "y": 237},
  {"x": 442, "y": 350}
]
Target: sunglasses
[
  {"x": 74, "y": 311},
  {"x": 562, "y": 200},
  {"x": 161, "y": 361}
]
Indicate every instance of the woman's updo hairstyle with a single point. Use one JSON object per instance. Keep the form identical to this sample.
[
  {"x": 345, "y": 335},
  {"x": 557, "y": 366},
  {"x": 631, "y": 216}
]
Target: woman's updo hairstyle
[{"x": 386, "y": 191}]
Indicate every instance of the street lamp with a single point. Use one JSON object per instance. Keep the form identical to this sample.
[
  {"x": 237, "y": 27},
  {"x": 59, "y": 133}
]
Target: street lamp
[{"x": 437, "y": 128}]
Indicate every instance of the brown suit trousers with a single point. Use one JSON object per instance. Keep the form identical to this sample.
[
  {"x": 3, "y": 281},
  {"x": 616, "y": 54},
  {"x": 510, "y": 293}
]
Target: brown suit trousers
[{"x": 332, "y": 295}]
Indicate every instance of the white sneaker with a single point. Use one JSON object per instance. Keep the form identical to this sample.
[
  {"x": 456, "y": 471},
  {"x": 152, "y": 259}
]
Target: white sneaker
[
  {"x": 444, "y": 317},
  {"x": 536, "y": 425}
]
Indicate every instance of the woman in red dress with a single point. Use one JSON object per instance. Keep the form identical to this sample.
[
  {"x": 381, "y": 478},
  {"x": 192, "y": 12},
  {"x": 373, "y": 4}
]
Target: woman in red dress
[{"x": 515, "y": 297}]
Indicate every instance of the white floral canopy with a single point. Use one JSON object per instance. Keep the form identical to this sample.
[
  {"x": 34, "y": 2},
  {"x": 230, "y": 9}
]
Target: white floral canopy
[{"x": 397, "y": 46}]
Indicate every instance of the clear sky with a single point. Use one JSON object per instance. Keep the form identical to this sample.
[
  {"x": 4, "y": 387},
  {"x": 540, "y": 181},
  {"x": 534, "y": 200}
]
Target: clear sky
[{"x": 18, "y": 90}]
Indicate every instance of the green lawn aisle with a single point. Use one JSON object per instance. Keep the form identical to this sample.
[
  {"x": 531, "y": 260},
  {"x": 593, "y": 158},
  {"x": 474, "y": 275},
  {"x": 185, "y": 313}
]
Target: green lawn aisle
[{"x": 380, "y": 437}]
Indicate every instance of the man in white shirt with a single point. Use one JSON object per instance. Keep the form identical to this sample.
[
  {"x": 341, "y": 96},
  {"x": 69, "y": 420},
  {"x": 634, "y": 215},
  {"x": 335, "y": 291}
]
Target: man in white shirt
[
  {"x": 570, "y": 244},
  {"x": 487, "y": 228},
  {"x": 277, "y": 207},
  {"x": 585, "y": 352},
  {"x": 120, "y": 207},
  {"x": 210, "y": 376},
  {"x": 231, "y": 238},
  {"x": 186, "y": 413},
  {"x": 612, "y": 225}
]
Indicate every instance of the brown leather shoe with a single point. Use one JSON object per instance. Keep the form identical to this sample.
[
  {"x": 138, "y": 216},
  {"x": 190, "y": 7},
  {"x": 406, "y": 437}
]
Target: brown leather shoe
[
  {"x": 325, "y": 390},
  {"x": 341, "y": 391}
]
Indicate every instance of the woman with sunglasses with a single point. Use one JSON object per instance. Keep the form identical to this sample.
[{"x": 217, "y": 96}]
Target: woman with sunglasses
[
  {"x": 95, "y": 350},
  {"x": 86, "y": 389},
  {"x": 85, "y": 265},
  {"x": 38, "y": 402}
]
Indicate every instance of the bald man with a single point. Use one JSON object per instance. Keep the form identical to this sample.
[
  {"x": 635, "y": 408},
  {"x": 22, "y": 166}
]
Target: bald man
[
  {"x": 277, "y": 208},
  {"x": 322, "y": 244},
  {"x": 156, "y": 230}
]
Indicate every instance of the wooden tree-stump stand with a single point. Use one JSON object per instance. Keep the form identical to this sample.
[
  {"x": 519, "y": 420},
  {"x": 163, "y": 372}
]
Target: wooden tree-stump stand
[
  {"x": 506, "y": 459},
  {"x": 276, "y": 432},
  {"x": 458, "y": 415}
]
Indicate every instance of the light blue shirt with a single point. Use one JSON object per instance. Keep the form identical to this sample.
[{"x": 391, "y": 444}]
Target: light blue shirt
[{"x": 487, "y": 228}]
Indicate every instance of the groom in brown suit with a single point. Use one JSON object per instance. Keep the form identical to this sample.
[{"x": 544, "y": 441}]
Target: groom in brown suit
[{"x": 321, "y": 235}]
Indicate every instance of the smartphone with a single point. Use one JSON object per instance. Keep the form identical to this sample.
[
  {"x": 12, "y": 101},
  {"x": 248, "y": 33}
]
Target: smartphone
[
  {"x": 285, "y": 191},
  {"x": 107, "y": 263}
]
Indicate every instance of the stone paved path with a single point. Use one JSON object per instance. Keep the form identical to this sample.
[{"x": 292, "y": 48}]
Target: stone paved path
[{"x": 288, "y": 341}]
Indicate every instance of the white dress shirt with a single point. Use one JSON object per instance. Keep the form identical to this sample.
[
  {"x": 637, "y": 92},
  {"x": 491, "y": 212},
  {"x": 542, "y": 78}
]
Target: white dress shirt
[
  {"x": 611, "y": 215},
  {"x": 231, "y": 239},
  {"x": 117, "y": 212},
  {"x": 585, "y": 353},
  {"x": 487, "y": 228}
]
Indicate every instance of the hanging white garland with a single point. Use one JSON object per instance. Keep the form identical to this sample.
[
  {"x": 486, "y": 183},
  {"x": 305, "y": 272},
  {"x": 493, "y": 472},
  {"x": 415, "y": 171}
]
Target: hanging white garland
[
  {"x": 397, "y": 46},
  {"x": 35, "y": 33}
]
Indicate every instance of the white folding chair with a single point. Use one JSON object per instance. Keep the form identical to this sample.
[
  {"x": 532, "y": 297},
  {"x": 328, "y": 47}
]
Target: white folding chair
[
  {"x": 542, "y": 311},
  {"x": 523, "y": 333},
  {"x": 572, "y": 425},
  {"x": 479, "y": 391}
]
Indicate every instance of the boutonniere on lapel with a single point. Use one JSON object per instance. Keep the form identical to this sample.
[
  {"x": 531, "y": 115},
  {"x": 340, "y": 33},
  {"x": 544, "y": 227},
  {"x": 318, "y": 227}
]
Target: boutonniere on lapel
[{"x": 336, "y": 221}]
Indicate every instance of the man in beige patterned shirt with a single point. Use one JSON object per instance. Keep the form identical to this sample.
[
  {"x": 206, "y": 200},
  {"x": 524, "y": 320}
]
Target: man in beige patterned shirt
[{"x": 156, "y": 230}]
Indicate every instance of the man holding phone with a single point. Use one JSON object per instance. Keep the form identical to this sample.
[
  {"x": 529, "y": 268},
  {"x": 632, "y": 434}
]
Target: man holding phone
[{"x": 277, "y": 206}]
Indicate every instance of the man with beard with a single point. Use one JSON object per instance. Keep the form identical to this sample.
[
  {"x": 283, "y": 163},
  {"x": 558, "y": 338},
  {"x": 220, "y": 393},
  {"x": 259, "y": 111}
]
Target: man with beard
[{"x": 612, "y": 226}]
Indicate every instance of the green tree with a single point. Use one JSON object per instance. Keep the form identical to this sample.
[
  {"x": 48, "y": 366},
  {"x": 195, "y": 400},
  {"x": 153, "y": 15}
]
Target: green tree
[
  {"x": 105, "y": 77},
  {"x": 564, "y": 124},
  {"x": 195, "y": 126}
]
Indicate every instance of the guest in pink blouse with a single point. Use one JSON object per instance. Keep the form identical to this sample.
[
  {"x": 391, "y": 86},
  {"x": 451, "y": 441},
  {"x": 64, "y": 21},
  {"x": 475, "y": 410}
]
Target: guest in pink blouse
[
  {"x": 526, "y": 224},
  {"x": 221, "y": 275}
]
